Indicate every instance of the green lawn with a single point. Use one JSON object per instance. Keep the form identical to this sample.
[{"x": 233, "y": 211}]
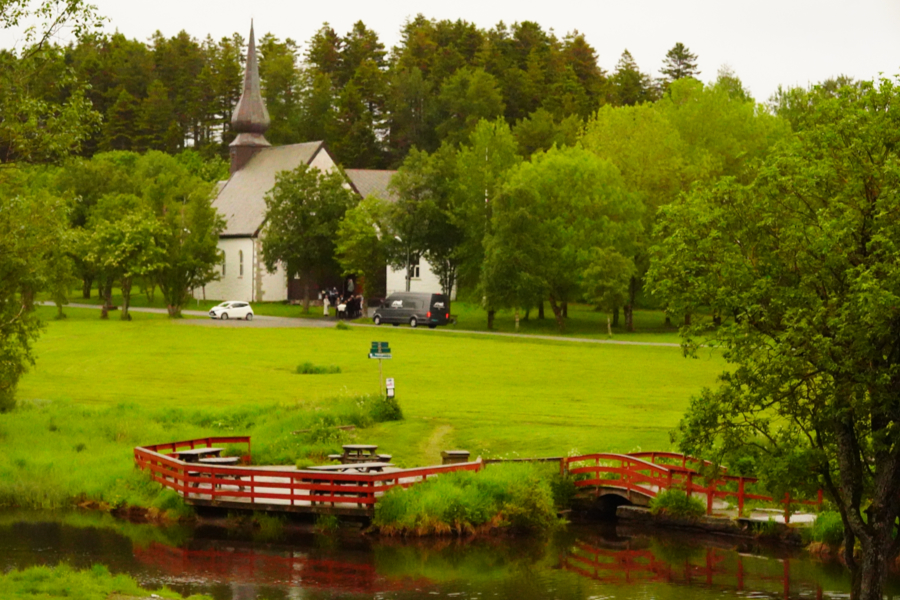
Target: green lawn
[{"x": 493, "y": 396}]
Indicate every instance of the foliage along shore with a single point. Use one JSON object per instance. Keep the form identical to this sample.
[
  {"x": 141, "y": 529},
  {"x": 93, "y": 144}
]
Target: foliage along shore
[{"x": 62, "y": 581}]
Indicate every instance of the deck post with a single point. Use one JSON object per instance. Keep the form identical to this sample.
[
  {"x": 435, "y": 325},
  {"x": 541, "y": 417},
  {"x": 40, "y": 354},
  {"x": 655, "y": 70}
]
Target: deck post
[{"x": 741, "y": 497}]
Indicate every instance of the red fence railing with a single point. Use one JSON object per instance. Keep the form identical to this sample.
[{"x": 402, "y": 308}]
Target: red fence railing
[
  {"x": 276, "y": 486},
  {"x": 632, "y": 473}
]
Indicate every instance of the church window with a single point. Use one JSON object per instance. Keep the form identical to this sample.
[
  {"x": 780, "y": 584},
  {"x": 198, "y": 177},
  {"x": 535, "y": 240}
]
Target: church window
[
  {"x": 415, "y": 269},
  {"x": 223, "y": 264},
  {"x": 240, "y": 263}
]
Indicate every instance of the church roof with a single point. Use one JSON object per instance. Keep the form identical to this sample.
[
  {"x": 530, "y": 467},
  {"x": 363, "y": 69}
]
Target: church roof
[
  {"x": 370, "y": 182},
  {"x": 242, "y": 200}
]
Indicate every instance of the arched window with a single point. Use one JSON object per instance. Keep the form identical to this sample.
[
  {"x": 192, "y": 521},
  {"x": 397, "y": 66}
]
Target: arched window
[
  {"x": 240, "y": 263},
  {"x": 223, "y": 264}
]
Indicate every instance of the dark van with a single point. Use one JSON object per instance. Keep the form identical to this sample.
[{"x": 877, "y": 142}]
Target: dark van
[{"x": 415, "y": 308}]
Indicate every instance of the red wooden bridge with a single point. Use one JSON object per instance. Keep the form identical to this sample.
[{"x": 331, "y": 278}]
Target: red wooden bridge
[
  {"x": 275, "y": 488},
  {"x": 641, "y": 476}
]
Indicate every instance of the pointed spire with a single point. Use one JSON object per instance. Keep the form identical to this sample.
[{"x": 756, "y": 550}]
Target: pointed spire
[
  {"x": 250, "y": 115},
  {"x": 250, "y": 119}
]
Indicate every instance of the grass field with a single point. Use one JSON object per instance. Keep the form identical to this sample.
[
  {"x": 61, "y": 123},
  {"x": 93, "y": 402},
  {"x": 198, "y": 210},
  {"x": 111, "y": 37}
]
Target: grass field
[{"x": 492, "y": 396}]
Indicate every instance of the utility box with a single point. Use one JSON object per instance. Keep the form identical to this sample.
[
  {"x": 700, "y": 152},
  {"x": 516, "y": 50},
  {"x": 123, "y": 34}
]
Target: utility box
[{"x": 454, "y": 457}]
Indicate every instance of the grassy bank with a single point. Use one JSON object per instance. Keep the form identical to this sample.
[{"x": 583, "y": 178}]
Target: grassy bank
[
  {"x": 40, "y": 583},
  {"x": 60, "y": 454},
  {"x": 508, "y": 496}
]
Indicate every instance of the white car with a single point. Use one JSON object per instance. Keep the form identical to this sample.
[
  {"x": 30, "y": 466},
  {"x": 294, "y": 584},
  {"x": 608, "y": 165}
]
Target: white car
[{"x": 232, "y": 309}]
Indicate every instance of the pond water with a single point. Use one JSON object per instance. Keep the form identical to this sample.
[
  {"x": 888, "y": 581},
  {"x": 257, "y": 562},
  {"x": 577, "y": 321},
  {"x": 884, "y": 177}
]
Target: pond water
[{"x": 597, "y": 562}]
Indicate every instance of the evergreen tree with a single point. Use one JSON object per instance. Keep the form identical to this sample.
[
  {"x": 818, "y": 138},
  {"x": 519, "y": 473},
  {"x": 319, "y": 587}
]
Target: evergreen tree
[
  {"x": 629, "y": 86},
  {"x": 280, "y": 77},
  {"x": 156, "y": 116},
  {"x": 468, "y": 97},
  {"x": 120, "y": 131},
  {"x": 679, "y": 63}
]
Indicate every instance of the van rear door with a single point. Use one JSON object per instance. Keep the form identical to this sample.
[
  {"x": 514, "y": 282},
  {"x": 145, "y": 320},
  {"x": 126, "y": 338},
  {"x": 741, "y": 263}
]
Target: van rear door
[{"x": 439, "y": 309}]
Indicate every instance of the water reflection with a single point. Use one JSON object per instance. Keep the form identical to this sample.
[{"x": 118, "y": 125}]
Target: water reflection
[{"x": 577, "y": 564}]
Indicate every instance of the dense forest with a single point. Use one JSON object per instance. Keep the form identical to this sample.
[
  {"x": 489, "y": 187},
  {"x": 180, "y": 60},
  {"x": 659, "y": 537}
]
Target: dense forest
[{"x": 371, "y": 104}]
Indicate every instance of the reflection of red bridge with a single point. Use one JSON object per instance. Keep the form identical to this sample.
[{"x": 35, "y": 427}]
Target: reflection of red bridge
[
  {"x": 246, "y": 566},
  {"x": 640, "y": 476},
  {"x": 623, "y": 567}
]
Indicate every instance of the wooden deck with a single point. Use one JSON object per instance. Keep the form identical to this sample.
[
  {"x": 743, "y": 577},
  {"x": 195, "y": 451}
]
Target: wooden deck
[{"x": 276, "y": 488}]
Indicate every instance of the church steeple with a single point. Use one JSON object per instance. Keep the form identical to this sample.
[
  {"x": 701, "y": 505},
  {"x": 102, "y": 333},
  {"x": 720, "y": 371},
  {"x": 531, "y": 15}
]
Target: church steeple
[{"x": 250, "y": 119}]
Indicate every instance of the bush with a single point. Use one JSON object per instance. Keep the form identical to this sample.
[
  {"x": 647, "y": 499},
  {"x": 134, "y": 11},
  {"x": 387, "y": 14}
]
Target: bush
[
  {"x": 502, "y": 496},
  {"x": 828, "y": 528},
  {"x": 342, "y": 326},
  {"x": 7, "y": 399},
  {"x": 676, "y": 503},
  {"x": 308, "y": 368},
  {"x": 385, "y": 409},
  {"x": 563, "y": 488}
]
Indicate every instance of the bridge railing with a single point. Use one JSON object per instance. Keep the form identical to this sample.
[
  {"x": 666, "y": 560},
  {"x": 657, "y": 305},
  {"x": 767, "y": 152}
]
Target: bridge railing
[
  {"x": 633, "y": 473},
  {"x": 277, "y": 486}
]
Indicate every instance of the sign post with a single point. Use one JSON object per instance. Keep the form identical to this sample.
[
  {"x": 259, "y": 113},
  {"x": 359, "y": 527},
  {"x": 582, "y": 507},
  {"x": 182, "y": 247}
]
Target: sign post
[{"x": 381, "y": 351}]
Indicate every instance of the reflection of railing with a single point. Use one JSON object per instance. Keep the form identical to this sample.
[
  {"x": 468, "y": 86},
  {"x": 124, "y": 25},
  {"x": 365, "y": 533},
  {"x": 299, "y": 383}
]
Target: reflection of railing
[
  {"x": 246, "y": 566},
  {"x": 282, "y": 488},
  {"x": 645, "y": 473},
  {"x": 643, "y": 566}
]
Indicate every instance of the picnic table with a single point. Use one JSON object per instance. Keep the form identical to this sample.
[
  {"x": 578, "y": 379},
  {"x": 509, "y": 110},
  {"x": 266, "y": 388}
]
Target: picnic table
[
  {"x": 196, "y": 454},
  {"x": 362, "y": 453},
  {"x": 369, "y": 467}
]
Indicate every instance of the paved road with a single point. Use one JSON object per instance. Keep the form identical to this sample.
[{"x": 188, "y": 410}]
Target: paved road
[
  {"x": 258, "y": 320},
  {"x": 262, "y": 321}
]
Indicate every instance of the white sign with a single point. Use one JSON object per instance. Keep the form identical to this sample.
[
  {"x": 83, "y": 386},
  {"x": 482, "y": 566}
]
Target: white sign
[{"x": 389, "y": 383}]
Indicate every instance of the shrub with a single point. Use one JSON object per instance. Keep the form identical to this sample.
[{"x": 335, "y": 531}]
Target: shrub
[
  {"x": 385, "y": 409},
  {"x": 676, "y": 503},
  {"x": 828, "y": 528},
  {"x": 342, "y": 326},
  {"x": 563, "y": 489},
  {"x": 7, "y": 399},
  {"x": 308, "y": 368}
]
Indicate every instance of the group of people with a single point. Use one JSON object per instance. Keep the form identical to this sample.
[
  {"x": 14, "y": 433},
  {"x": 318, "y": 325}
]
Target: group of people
[{"x": 347, "y": 305}]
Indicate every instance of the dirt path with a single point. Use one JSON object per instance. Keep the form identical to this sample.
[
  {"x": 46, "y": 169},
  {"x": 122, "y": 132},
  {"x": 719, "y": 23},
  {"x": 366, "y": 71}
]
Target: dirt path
[{"x": 432, "y": 447}]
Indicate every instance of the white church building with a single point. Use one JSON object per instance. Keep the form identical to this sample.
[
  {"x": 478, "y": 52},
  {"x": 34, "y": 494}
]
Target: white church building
[{"x": 241, "y": 201}]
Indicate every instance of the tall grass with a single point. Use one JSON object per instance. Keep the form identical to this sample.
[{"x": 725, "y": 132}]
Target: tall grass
[
  {"x": 57, "y": 454},
  {"x": 511, "y": 496},
  {"x": 827, "y": 529},
  {"x": 676, "y": 503}
]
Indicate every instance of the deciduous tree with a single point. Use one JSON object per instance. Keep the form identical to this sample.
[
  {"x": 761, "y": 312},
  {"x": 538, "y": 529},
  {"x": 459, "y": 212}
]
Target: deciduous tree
[
  {"x": 303, "y": 212},
  {"x": 802, "y": 263}
]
